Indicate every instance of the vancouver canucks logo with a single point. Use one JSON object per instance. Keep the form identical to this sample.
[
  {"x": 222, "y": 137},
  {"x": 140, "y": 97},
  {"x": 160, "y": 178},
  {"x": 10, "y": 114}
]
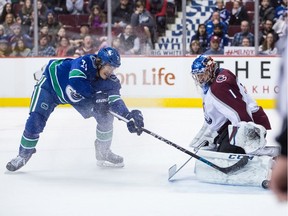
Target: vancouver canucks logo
[
  {"x": 221, "y": 78},
  {"x": 93, "y": 60},
  {"x": 110, "y": 52},
  {"x": 73, "y": 95}
]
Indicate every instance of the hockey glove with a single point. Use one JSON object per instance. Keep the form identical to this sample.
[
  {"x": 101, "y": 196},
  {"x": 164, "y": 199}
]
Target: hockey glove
[
  {"x": 204, "y": 138},
  {"x": 136, "y": 122}
]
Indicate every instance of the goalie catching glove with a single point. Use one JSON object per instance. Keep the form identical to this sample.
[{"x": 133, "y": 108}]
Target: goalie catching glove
[
  {"x": 136, "y": 121},
  {"x": 247, "y": 135}
]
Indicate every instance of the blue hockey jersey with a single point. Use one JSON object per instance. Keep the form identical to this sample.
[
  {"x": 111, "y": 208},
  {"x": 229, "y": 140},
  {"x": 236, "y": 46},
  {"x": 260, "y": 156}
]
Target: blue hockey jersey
[{"x": 74, "y": 81}]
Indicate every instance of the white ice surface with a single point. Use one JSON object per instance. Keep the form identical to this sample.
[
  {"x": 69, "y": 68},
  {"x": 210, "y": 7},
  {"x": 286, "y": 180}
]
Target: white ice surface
[{"x": 62, "y": 178}]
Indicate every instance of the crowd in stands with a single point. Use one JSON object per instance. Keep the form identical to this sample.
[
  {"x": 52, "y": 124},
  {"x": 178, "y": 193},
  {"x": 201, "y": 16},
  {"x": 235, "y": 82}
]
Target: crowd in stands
[
  {"x": 78, "y": 27},
  {"x": 231, "y": 25}
]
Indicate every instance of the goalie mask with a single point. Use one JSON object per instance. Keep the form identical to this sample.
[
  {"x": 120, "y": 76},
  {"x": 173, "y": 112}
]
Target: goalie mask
[{"x": 203, "y": 70}]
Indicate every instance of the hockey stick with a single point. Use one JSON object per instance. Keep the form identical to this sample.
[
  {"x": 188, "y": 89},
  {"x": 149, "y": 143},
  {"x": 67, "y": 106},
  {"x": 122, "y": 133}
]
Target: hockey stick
[
  {"x": 173, "y": 169},
  {"x": 235, "y": 167}
]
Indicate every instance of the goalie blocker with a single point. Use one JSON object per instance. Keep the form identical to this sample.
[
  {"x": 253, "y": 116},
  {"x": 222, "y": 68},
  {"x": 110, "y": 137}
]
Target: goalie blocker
[{"x": 256, "y": 173}]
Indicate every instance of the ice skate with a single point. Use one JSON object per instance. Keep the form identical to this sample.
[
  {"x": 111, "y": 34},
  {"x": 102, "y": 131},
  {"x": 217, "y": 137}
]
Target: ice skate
[
  {"x": 105, "y": 157},
  {"x": 20, "y": 160}
]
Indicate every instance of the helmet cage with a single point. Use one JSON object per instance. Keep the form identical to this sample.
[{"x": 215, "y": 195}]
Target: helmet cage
[{"x": 205, "y": 72}]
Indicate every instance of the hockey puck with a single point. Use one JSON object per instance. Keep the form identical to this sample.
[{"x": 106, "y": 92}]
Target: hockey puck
[{"x": 265, "y": 184}]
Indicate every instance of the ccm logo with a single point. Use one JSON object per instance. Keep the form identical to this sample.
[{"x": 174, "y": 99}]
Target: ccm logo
[{"x": 238, "y": 157}]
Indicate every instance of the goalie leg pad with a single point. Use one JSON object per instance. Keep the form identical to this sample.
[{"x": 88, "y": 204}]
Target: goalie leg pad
[
  {"x": 247, "y": 135},
  {"x": 254, "y": 173}
]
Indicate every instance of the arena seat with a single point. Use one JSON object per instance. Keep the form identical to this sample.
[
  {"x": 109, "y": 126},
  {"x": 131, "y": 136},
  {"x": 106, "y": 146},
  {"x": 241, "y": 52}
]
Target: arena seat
[
  {"x": 249, "y": 6},
  {"x": 82, "y": 19},
  {"x": 68, "y": 19}
]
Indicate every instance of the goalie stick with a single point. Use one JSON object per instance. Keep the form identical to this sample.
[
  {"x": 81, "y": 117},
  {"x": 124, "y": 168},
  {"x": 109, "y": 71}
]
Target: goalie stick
[{"x": 235, "y": 167}]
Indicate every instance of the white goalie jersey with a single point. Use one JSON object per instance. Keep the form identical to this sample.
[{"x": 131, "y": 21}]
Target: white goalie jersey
[{"x": 226, "y": 100}]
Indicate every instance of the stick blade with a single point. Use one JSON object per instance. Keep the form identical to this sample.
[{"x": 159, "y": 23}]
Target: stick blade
[{"x": 172, "y": 171}]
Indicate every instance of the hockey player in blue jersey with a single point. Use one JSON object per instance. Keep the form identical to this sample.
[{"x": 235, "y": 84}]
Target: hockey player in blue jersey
[{"x": 89, "y": 85}]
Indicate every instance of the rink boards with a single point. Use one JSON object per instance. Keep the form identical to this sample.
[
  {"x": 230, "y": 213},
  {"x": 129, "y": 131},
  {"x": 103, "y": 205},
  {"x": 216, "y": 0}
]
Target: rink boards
[{"x": 151, "y": 81}]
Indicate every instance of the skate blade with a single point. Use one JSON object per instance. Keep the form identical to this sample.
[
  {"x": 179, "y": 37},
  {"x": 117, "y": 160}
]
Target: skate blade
[{"x": 107, "y": 164}]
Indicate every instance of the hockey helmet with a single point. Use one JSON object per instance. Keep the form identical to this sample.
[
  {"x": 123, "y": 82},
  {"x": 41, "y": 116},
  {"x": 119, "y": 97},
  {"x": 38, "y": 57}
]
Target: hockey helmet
[
  {"x": 109, "y": 55},
  {"x": 203, "y": 69}
]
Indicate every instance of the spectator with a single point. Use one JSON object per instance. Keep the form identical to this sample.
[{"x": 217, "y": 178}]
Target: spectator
[
  {"x": 116, "y": 44},
  {"x": 61, "y": 33},
  {"x": 17, "y": 35},
  {"x": 4, "y": 48},
  {"x": 3, "y": 33},
  {"x": 20, "y": 50},
  {"x": 266, "y": 12},
  {"x": 87, "y": 46},
  {"x": 9, "y": 21},
  {"x": 74, "y": 6},
  {"x": 122, "y": 14},
  {"x": 64, "y": 48},
  {"x": 224, "y": 13},
  {"x": 52, "y": 23},
  {"x": 268, "y": 47},
  {"x": 6, "y": 9},
  {"x": 245, "y": 32},
  {"x": 215, "y": 20},
  {"x": 58, "y": 6},
  {"x": 268, "y": 24},
  {"x": 25, "y": 12},
  {"x": 158, "y": 9},
  {"x": 44, "y": 31},
  {"x": 28, "y": 27},
  {"x": 97, "y": 18},
  {"x": 77, "y": 39},
  {"x": 2, "y": 4},
  {"x": 143, "y": 22},
  {"x": 45, "y": 49},
  {"x": 129, "y": 41},
  {"x": 201, "y": 36},
  {"x": 239, "y": 13},
  {"x": 214, "y": 47},
  {"x": 224, "y": 40},
  {"x": 245, "y": 42},
  {"x": 42, "y": 11},
  {"x": 195, "y": 48},
  {"x": 280, "y": 26},
  {"x": 281, "y": 10},
  {"x": 275, "y": 3},
  {"x": 91, "y": 3}
]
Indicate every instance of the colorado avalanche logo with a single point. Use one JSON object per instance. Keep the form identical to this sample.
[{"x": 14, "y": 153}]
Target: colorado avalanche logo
[{"x": 221, "y": 78}]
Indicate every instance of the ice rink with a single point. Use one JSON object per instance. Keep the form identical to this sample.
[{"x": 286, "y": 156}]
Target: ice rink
[{"x": 62, "y": 178}]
